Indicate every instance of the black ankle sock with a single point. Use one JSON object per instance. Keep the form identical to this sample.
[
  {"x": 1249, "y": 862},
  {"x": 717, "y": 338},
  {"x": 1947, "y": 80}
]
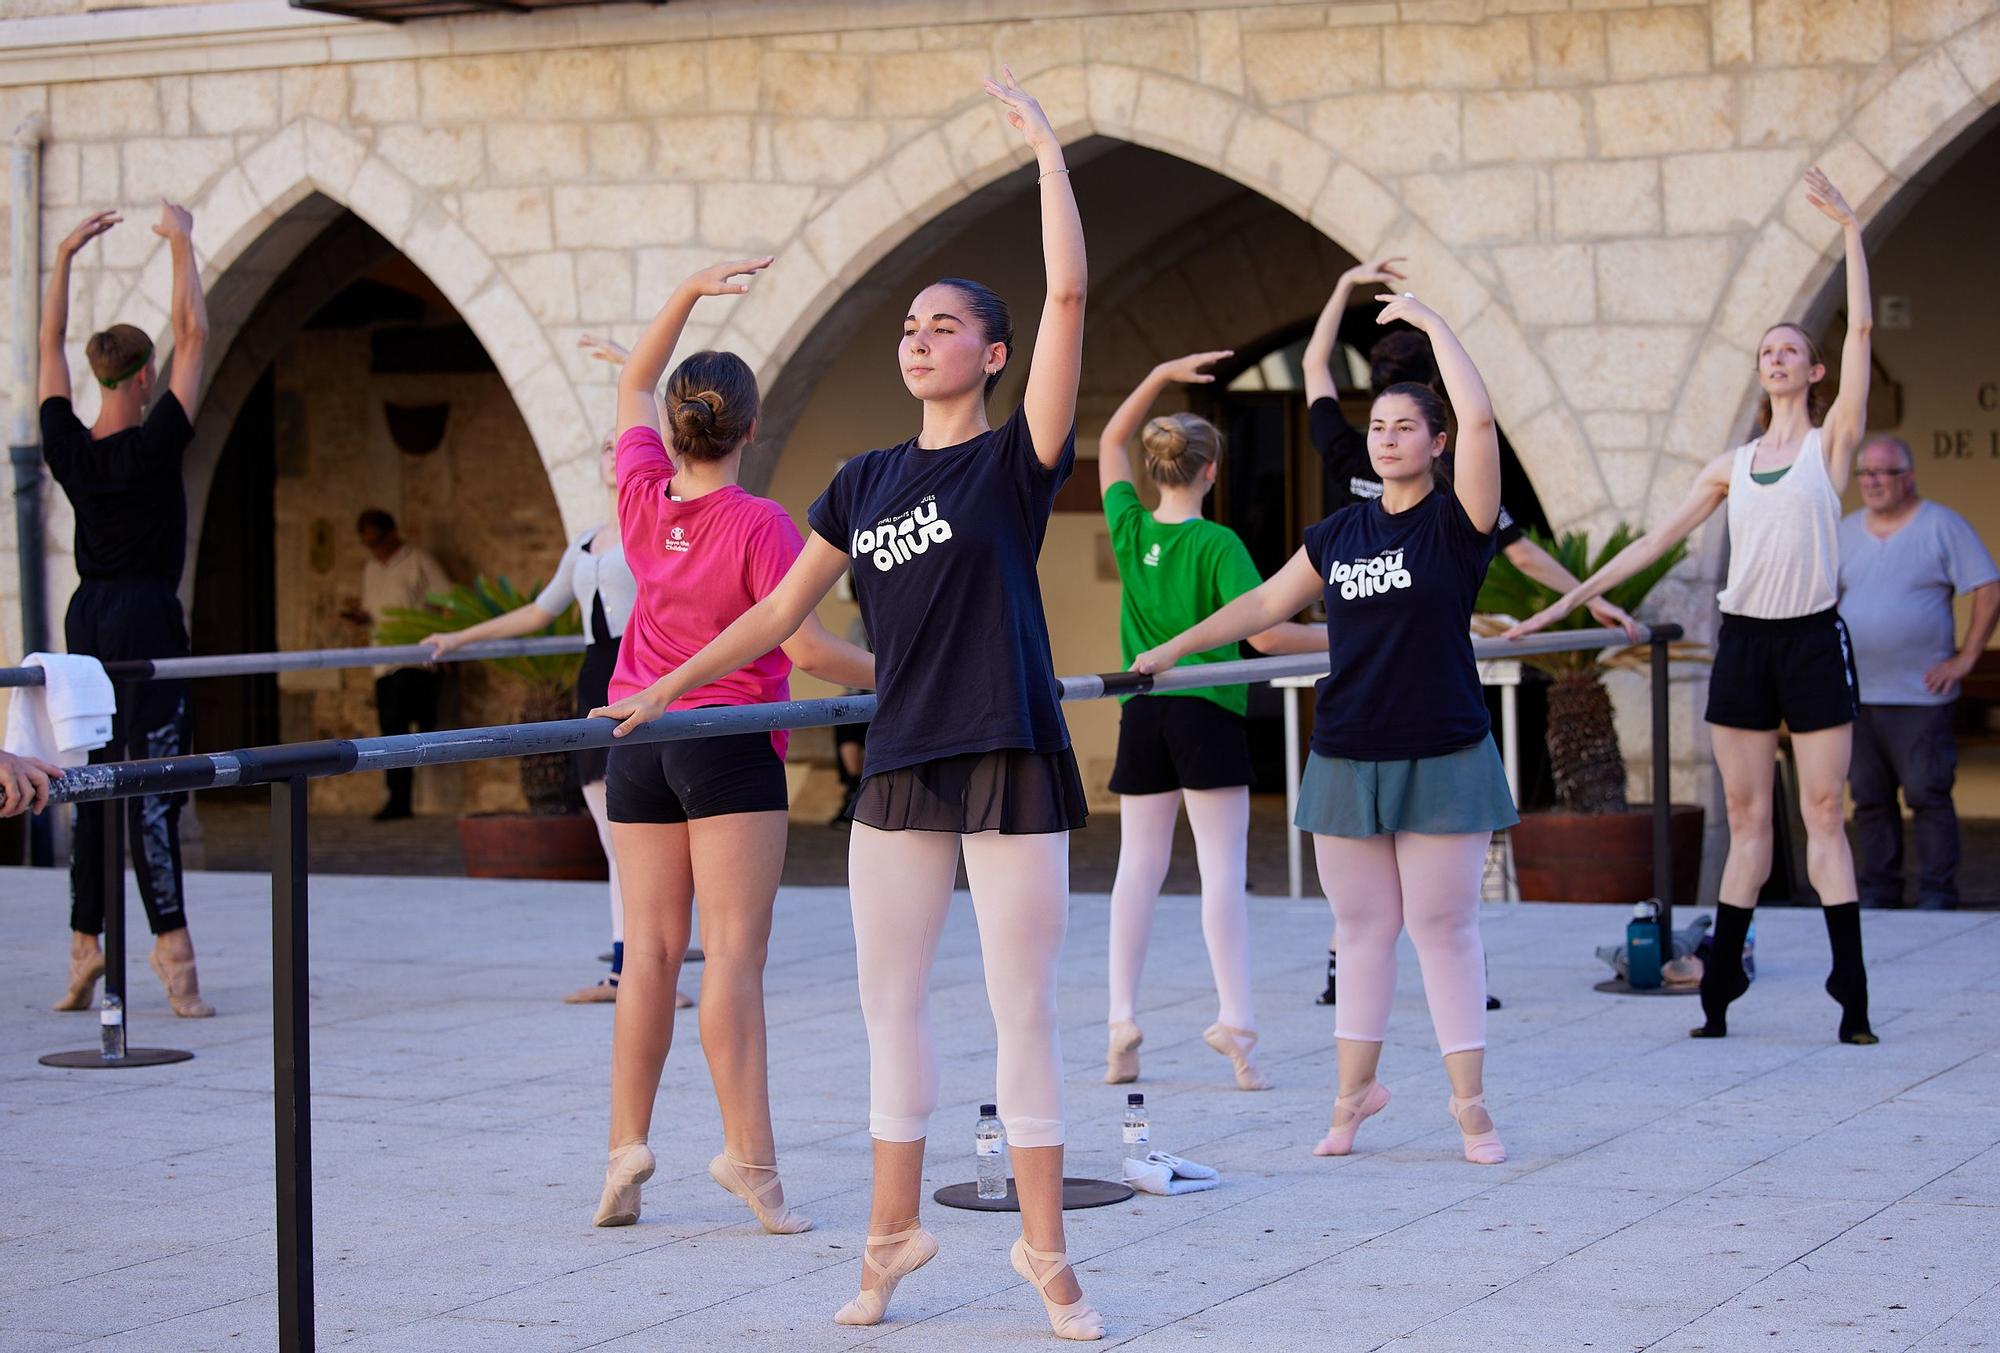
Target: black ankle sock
[
  {"x": 1848, "y": 982},
  {"x": 1722, "y": 975}
]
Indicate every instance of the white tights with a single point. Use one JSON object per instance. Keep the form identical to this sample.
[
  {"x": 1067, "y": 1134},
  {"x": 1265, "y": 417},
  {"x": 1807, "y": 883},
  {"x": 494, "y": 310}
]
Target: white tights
[
  {"x": 901, "y": 883},
  {"x": 1379, "y": 885},
  {"x": 1221, "y": 822},
  {"x": 593, "y": 799}
]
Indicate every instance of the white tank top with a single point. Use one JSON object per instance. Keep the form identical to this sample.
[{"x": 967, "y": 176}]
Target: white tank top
[{"x": 1784, "y": 557}]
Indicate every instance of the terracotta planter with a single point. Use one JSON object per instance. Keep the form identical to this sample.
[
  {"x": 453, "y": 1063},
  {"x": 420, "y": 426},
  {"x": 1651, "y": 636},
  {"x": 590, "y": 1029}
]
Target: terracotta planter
[
  {"x": 1604, "y": 857},
  {"x": 523, "y": 846}
]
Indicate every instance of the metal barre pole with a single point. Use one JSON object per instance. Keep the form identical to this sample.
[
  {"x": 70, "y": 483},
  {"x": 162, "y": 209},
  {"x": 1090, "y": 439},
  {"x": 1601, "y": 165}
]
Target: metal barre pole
[
  {"x": 261, "y": 765},
  {"x": 317, "y": 659}
]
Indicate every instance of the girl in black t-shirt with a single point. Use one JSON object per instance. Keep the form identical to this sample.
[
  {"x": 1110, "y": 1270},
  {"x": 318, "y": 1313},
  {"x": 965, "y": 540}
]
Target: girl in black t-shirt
[
  {"x": 1404, "y": 787},
  {"x": 968, "y": 749}
]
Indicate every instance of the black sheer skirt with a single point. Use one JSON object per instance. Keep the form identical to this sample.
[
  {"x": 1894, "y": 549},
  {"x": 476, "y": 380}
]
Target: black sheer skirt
[
  {"x": 593, "y": 690},
  {"x": 1013, "y": 791}
]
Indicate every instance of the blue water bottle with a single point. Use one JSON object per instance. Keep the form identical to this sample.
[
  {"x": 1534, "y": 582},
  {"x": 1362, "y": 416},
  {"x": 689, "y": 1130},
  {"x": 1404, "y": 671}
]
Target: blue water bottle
[{"x": 1642, "y": 947}]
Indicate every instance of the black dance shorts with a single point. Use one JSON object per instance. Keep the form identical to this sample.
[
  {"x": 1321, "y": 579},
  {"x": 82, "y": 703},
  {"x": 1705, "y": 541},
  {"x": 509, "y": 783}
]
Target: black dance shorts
[
  {"x": 1797, "y": 671},
  {"x": 703, "y": 777},
  {"x": 1170, "y": 742},
  {"x": 1013, "y": 791}
]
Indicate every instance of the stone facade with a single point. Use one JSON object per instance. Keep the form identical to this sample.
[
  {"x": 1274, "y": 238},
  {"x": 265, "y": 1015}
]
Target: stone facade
[{"x": 1602, "y": 196}]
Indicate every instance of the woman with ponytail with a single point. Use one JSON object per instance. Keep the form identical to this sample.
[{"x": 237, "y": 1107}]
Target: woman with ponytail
[
  {"x": 706, "y": 815},
  {"x": 1176, "y": 568}
]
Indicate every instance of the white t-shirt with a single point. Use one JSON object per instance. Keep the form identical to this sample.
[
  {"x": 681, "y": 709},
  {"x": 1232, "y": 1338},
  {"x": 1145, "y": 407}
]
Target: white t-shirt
[{"x": 405, "y": 583}]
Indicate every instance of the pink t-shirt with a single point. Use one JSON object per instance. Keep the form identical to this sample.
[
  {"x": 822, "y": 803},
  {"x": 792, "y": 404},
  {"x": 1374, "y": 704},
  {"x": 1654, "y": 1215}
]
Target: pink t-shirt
[{"x": 699, "y": 565}]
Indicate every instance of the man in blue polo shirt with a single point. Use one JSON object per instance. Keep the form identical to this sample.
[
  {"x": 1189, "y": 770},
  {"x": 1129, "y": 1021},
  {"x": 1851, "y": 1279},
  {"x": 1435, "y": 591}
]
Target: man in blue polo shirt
[{"x": 1902, "y": 561}]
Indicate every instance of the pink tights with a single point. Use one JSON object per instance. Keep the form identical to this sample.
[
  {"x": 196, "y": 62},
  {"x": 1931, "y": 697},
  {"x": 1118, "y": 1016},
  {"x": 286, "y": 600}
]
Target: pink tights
[{"x": 1380, "y": 885}]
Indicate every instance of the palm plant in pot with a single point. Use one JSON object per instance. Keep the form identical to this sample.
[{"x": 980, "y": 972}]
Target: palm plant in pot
[
  {"x": 1594, "y": 846},
  {"x": 555, "y": 838}
]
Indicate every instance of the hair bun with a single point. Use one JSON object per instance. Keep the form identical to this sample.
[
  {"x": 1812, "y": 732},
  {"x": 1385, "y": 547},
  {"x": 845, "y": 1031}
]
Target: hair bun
[
  {"x": 1178, "y": 446},
  {"x": 1163, "y": 439}
]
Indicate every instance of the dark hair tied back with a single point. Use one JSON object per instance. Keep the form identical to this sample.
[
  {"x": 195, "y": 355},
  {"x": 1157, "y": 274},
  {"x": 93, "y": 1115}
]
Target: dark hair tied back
[
  {"x": 1429, "y": 405},
  {"x": 990, "y": 313},
  {"x": 711, "y": 405}
]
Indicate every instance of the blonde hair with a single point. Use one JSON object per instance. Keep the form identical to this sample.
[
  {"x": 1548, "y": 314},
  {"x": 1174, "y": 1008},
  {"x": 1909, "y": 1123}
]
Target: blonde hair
[{"x": 1178, "y": 446}]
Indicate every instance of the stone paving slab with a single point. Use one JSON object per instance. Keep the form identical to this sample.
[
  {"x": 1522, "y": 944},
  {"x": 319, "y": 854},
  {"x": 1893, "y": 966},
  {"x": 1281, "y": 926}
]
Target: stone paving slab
[{"x": 1775, "y": 1191}]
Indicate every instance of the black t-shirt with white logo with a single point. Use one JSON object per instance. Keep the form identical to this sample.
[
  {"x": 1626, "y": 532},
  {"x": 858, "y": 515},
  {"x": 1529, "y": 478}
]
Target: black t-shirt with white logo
[
  {"x": 1350, "y": 475},
  {"x": 1399, "y": 592},
  {"x": 943, "y": 545},
  {"x": 131, "y": 508}
]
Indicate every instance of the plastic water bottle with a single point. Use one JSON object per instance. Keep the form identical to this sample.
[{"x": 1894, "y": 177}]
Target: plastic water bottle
[
  {"x": 1138, "y": 1135},
  {"x": 111, "y": 1027},
  {"x": 1642, "y": 947},
  {"x": 989, "y": 1153}
]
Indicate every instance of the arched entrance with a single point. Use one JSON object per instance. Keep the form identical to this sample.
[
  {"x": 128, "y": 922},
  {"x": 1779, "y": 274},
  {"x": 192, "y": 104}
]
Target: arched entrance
[{"x": 349, "y": 381}]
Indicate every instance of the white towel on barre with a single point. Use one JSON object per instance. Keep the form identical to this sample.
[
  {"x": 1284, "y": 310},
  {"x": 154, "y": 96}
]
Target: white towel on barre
[{"x": 66, "y": 719}]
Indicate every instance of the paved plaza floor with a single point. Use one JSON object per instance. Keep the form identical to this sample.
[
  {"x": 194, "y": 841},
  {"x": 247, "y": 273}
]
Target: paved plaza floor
[{"x": 1773, "y": 1191}]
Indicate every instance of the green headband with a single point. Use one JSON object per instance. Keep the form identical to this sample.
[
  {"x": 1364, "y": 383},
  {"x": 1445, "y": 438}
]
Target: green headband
[{"x": 127, "y": 375}]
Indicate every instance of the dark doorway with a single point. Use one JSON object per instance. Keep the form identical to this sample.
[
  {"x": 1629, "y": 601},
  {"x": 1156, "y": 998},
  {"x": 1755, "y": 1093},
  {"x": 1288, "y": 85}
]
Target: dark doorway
[{"x": 235, "y": 599}]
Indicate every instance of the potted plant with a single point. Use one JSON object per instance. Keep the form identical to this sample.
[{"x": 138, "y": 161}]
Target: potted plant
[
  {"x": 555, "y": 838},
  {"x": 1594, "y": 846}
]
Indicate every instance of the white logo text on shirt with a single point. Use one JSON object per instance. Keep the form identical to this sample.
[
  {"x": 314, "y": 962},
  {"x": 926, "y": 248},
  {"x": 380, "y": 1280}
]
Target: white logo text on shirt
[
  {"x": 901, "y": 539},
  {"x": 1369, "y": 577}
]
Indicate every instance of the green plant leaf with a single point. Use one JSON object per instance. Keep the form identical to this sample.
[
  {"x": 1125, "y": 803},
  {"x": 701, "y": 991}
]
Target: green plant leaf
[{"x": 468, "y": 604}]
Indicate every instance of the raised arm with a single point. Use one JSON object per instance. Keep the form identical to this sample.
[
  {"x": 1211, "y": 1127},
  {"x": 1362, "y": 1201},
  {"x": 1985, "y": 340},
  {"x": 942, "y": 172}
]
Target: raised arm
[
  {"x": 1325, "y": 340},
  {"x": 765, "y": 626},
  {"x": 1114, "y": 460},
  {"x": 1287, "y": 592},
  {"x": 54, "y": 380},
  {"x": 1058, "y": 358},
  {"x": 1475, "y": 474},
  {"x": 1847, "y": 419},
  {"x": 639, "y": 377},
  {"x": 189, "y": 315},
  {"x": 1710, "y": 488}
]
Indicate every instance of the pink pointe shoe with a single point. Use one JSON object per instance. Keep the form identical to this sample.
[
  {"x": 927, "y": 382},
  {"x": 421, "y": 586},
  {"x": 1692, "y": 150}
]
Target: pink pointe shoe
[
  {"x": 913, "y": 1249},
  {"x": 735, "y": 1176},
  {"x": 1481, "y": 1148},
  {"x": 631, "y": 1165},
  {"x": 1070, "y": 1320},
  {"x": 1121, "y": 1056},
  {"x": 1366, "y": 1102}
]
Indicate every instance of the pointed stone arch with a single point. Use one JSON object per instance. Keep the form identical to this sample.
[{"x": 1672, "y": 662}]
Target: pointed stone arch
[{"x": 938, "y": 176}]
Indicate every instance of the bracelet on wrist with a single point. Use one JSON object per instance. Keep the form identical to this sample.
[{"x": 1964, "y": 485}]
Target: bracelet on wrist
[{"x": 1050, "y": 174}]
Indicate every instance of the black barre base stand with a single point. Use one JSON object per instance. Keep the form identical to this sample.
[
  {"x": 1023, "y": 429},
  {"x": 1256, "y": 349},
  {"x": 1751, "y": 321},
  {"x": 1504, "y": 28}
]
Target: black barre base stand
[
  {"x": 1077, "y": 1193},
  {"x": 93, "y": 1059}
]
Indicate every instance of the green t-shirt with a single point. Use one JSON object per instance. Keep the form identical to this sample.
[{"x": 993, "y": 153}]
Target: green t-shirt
[{"x": 1175, "y": 576}]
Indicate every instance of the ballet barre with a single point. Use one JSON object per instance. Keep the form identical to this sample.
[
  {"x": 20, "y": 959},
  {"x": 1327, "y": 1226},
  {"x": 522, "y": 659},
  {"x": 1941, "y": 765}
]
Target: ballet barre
[{"x": 314, "y": 659}]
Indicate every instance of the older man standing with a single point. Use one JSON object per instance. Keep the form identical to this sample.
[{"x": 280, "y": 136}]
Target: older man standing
[{"x": 1902, "y": 560}]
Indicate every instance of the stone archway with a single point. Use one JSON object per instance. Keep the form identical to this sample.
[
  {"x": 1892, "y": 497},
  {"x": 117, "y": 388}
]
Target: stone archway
[
  {"x": 938, "y": 175},
  {"x": 255, "y": 208}
]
